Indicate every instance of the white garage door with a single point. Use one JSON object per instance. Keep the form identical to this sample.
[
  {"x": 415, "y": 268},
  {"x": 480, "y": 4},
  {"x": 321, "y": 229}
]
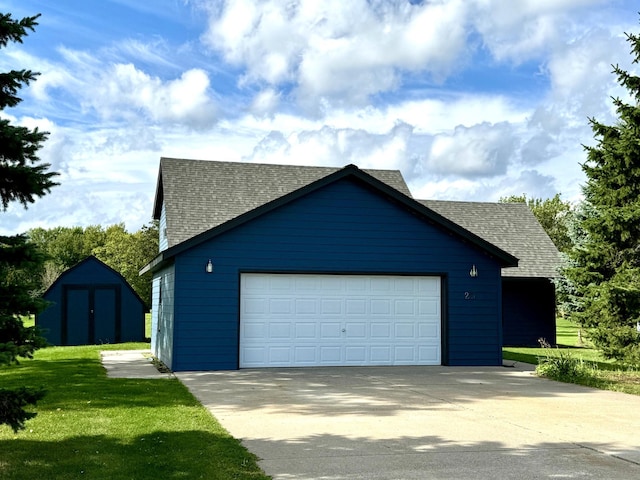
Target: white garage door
[{"x": 328, "y": 320}]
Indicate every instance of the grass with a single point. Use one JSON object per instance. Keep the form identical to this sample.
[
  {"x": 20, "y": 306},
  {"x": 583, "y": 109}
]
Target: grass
[
  {"x": 575, "y": 361},
  {"x": 93, "y": 427}
]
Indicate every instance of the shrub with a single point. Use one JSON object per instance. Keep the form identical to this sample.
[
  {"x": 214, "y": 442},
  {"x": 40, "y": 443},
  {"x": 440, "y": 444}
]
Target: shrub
[{"x": 561, "y": 365}]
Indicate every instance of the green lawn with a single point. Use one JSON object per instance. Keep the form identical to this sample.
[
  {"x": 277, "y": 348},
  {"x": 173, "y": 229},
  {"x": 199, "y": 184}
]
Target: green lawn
[
  {"x": 568, "y": 341},
  {"x": 93, "y": 427},
  {"x": 601, "y": 373}
]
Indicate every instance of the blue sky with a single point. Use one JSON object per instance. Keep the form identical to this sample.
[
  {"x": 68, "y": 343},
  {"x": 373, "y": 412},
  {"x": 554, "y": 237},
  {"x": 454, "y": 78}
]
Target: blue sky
[{"x": 470, "y": 99}]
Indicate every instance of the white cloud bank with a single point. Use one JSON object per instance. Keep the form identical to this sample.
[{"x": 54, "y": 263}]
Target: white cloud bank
[{"x": 377, "y": 83}]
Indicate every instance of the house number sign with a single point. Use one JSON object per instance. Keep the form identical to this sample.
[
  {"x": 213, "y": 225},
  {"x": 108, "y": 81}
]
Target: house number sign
[{"x": 469, "y": 296}]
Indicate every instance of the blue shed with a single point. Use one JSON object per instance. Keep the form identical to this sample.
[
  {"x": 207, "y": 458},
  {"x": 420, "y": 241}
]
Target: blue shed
[
  {"x": 280, "y": 266},
  {"x": 91, "y": 303}
]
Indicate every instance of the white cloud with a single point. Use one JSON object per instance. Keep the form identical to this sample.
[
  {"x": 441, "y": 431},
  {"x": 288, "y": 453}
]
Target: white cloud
[
  {"x": 367, "y": 75},
  {"x": 265, "y": 103},
  {"x": 483, "y": 150},
  {"x": 345, "y": 52},
  {"x": 493, "y": 189},
  {"x": 335, "y": 49},
  {"x": 580, "y": 73},
  {"x": 524, "y": 29},
  {"x": 336, "y": 147},
  {"x": 123, "y": 90}
]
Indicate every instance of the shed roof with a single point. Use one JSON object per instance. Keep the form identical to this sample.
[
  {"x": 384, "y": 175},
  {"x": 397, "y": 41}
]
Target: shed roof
[
  {"x": 510, "y": 226},
  {"x": 199, "y": 195},
  {"x": 86, "y": 263}
]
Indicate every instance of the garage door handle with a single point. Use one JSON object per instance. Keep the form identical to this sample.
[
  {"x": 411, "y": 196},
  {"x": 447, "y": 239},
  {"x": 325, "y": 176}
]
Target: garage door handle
[{"x": 344, "y": 330}]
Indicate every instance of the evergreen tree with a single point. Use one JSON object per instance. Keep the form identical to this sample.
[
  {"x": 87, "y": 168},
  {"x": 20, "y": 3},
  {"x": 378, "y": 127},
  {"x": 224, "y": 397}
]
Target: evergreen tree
[
  {"x": 22, "y": 179},
  {"x": 604, "y": 268}
]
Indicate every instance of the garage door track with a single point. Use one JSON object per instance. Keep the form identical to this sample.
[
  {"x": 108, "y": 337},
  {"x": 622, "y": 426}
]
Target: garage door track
[{"x": 423, "y": 423}]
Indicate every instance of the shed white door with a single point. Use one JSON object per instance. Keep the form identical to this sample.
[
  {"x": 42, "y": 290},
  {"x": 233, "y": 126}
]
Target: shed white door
[{"x": 330, "y": 320}]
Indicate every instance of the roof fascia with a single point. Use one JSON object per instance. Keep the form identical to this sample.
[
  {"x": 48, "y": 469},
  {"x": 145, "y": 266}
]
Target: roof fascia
[{"x": 159, "y": 197}]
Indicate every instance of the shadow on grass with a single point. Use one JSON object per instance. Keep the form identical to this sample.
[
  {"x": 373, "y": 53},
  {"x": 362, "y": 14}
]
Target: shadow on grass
[
  {"x": 159, "y": 455},
  {"x": 81, "y": 383}
]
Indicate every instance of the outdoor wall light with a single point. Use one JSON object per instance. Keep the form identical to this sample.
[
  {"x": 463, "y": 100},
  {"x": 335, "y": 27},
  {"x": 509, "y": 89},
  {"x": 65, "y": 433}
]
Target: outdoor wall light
[
  {"x": 209, "y": 267},
  {"x": 473, "y": 273}
]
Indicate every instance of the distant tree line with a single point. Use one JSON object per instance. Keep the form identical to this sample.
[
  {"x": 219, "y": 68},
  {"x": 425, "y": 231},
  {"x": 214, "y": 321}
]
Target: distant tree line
[{"x": 126, "y": 253}]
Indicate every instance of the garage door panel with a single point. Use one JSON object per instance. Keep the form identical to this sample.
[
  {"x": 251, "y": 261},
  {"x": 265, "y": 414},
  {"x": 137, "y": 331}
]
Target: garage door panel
[
  {"x": 256, "y": 306},
  {"x": 356, "y": 355},
  {"x": 280, "y": 330},
  {"x": 405, "y": 354},
  {"x": 305, "y": 355},
  {"x": 428, "y": 330},
  {"x": 306, "y": 306},
  {"x": 330, "y": 330},
  {"x": 380, "y": 354},
  {"x": 254, "y": 356},
  {"x": 381, "y": 330},
  {"x": 280, "y": 355},
  {"x": 404, "y": 330},
  {"x": 279, "y": 306},
  {"x": 427, "y": 286},
  {"x": 281, "y": 283},
  {"x": 355, "y": 330},
  {"x": 331, "y": 306},
  {"x": 380, "y": 306},
  {"x": 331, "y": 355},
  {"x": 404, "y": 307},
  {"x": 429, "y": 307},
  {"x": 354, "y": 284},
  {"x": 404, "y": 285},
  {"x": 355, "y": 306},
  {"x": 254, "y": 330},
  {"x": 305, "y": 331},
  {"x": 427, "y": 352},
  {"x": 306, "y": 320}
]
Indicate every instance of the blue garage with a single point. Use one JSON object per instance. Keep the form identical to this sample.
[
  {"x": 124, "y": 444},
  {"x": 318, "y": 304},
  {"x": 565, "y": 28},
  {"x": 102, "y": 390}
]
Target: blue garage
[
  {"x": 91, "y": 303},
  {"x": 271, "y": 266}
]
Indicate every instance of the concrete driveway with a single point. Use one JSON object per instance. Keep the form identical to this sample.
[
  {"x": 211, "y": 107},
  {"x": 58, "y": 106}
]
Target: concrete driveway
[{"x": 423, "y": 423}]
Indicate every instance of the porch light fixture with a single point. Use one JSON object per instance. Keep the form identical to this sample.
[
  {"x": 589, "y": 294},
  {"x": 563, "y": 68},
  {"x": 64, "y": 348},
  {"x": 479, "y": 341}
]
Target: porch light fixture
[
  {"x": 473, "y": 273},
  {"x": 209, "y": 267}
]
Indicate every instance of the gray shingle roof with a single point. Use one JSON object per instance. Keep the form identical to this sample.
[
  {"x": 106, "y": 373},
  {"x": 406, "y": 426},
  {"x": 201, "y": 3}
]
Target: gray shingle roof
[
  {"x": 510, "y": 226},
  {"x": 200, "y": 195}
]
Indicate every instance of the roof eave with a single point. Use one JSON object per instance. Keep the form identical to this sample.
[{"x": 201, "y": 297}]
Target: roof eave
[
  {"x": 156, "y": 264},
  {"x": 159, "y": 197}
]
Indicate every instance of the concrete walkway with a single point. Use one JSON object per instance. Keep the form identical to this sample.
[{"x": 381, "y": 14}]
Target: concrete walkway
[
  {"x": 423, "y": 423},
  {"x": 130, "y": 364}
]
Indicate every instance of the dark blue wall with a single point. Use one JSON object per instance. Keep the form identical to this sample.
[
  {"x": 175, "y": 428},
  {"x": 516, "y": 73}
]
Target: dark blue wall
[
  {"x": 529, "y": 311},
  {"x": 112, "y": 297},
  {"x": 344, "y": 227}
]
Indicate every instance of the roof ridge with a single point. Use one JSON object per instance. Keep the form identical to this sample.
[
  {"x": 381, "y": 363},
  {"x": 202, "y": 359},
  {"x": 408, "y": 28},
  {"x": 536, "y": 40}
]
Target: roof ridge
[{"x": 284, "y": 165}]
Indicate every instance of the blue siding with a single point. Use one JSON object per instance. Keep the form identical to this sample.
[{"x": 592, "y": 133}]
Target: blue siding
[
  {"x": 92, "y": 279},
  {"x": 344, "y": 227},
  {"x": 163, "y": 242},
  {"x": 162, "y": 317}
]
